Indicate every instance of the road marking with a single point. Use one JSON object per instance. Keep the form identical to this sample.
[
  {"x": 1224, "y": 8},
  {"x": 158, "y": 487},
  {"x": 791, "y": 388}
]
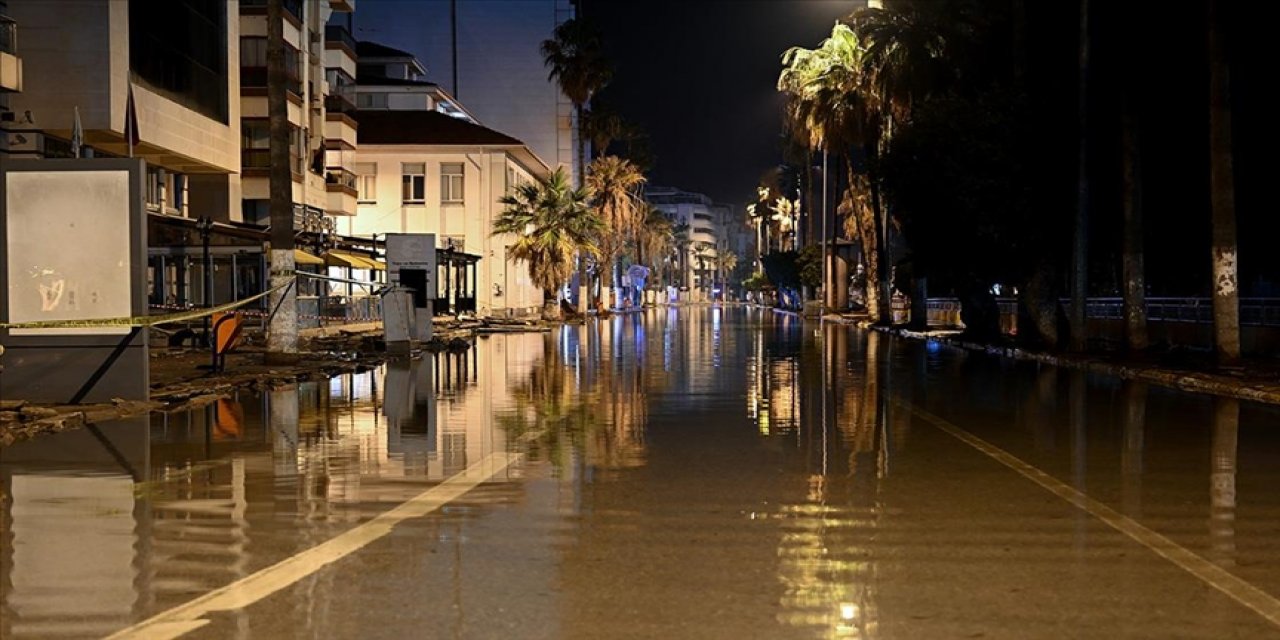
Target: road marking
[
  {"x": 1237, "y": 589},
  {"x": 190, "y": 616}
]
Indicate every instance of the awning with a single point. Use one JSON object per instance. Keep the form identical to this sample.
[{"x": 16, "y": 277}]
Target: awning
[
  {"x": 301, "y": 257},
  {"x": 354, "y": 261}
]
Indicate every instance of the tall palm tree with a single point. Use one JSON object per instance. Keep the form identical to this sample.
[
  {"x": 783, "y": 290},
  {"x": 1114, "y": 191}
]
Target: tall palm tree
[
  {"x": 615, "y": 184},
  {"x": 829, "y": 105},
  {"x": 1226, "y": 293},
  {"x": 603, "y": 126},
  {"x": 552, "y": 222},
  {"x": 909, "y": 49},
  {"x": 1080, "y": 230},
  {"x": 575, "y": 56},
  {"x": 655, "y": 241}
]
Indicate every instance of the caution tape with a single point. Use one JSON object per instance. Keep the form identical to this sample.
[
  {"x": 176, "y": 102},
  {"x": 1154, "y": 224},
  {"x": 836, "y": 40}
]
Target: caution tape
[{"x": 141, "y": 321}]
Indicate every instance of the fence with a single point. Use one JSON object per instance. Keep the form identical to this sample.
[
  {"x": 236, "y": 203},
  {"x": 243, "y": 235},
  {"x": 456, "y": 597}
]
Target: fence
[{"x": 1257, "y": 312}]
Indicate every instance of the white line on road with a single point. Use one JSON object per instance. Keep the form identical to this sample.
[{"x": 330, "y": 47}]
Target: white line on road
[
  {"x": 190, "y": 616},
  {"x": 1237, "y": 589}
]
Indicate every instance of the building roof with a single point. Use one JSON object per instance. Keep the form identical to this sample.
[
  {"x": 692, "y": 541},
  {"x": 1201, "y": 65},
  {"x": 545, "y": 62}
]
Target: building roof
[
  {"x": 398, "y": 127},
  {"x": 367, "y": 49},
  {"x": 425, "y": 127},
  {"x": 373, "y": 80}
]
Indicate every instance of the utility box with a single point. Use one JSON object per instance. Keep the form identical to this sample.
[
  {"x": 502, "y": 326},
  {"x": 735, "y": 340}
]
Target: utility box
[
  {"x": 398, "y": 320},
  {"x": 73, "y": 263},
  {"x": 411, "y": 264}
]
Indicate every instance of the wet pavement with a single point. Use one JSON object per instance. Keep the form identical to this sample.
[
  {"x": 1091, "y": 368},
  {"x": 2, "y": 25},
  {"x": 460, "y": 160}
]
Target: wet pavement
[{"x": 689, "y": 473}]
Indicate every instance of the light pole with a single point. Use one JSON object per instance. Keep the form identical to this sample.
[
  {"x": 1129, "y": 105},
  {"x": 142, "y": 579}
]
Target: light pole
[{"x": 205, "y": 226}]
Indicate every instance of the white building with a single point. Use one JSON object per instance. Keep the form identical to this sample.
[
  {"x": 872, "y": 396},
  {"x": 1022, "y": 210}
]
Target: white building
[
  {"x": 423, "y": 171},
  {"x": 695, "y": 215},
  {"x": 486, "y": 53}
]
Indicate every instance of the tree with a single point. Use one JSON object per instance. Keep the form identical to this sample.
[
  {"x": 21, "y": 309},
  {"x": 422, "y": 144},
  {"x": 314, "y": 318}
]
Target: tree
[
  {"x": 828, "y": 104},
  {"x": 615, "y": 184},
  {"x": 552, "y": 222},
  {"x": 603, "y": 126},
  {"x": 911, "y": 52},
  {"x": 1226, "y": 293},
  {"x": 575, "y": 56},
  {"x": 1132, "y": 260},
  {"x": 282, "y": 336},
  {"x": 1080, "y": 228}
]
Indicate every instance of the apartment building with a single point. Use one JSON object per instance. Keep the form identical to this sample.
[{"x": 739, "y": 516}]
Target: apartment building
[
  {"x": 695, "y": 217},
  {"x": 321, "y": 62}
]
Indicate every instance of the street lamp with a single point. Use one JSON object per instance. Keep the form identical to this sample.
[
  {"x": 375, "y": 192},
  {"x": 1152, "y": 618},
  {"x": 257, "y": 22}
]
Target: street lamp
[{"x": 205, "y": 226}]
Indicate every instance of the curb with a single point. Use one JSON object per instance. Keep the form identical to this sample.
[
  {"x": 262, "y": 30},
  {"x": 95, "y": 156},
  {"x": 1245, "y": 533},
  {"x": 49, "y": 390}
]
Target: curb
[{"x": 1190, "y": 381}]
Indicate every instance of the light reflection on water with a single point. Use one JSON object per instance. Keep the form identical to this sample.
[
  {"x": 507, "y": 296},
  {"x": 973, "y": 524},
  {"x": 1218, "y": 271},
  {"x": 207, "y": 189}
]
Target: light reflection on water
[{"x": 632, "y": 426}]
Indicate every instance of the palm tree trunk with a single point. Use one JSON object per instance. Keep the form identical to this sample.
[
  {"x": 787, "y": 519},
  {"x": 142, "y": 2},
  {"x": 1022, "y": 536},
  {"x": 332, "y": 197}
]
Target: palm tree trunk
[
  {"x": 1135, "y": 299},
  {"x": 1226, "y": 300},
  {"x": 282, "y": 335},
  {"x": 1080, "y": 235},
  {"x": 868, "y": 234}
]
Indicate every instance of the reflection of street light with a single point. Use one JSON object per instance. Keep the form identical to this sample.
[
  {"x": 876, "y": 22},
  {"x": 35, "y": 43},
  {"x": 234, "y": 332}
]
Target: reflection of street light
[{"x": 205, "y": 226}]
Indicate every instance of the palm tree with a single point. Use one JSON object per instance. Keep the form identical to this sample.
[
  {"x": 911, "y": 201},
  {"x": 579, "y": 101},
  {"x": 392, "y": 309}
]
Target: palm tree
[
  {"x": 728, "y": 262},
  {"x": 828, "y": 104},
  {"x": 615, "y": 184},
  {"x": 1133, "y": 277},
  {"x": 655, "y": 240},
  {"x": 552, "y": 222},
  {"x": 603, "y": 126},
  {"x": 906, "y": 59},
  {"x": 1226, "y": 293},
  {"x": 576, "y": 58},
  {"x": 1080, "y": 230}
]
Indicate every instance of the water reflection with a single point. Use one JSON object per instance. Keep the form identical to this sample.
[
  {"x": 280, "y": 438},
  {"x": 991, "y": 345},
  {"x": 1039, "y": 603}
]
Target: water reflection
[{"x": 746, "y": 474}]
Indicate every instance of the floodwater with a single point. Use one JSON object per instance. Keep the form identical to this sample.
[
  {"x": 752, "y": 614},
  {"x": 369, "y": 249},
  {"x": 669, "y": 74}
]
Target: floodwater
[{"x": 686, "y": 473}]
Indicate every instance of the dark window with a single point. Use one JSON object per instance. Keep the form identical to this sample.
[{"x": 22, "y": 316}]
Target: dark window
[{"x": 178, "y": 48}]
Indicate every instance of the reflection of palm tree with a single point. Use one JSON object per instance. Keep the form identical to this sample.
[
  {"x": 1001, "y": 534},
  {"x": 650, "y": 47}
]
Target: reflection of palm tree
[{"x": 551, "y": 222}]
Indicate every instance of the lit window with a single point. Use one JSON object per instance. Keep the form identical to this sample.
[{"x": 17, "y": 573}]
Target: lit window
[
  {"x": 414, "y": 190},
  {"x": 367, "y": 181},
  {"x": 451, "y": 183}
]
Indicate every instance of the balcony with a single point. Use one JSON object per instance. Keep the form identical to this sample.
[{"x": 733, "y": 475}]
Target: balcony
[
  {"x": 8, "y": 35},
  {"x": 339, "y": 179},
  {"x": 337, "y": 36},
  {"x": 10, "y": 63},
  {"x": 291, "y": 7}
]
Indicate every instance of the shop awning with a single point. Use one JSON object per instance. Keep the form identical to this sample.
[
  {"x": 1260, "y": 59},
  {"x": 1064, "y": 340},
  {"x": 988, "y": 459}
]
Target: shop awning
[
  {"x": 354, "y": 261},
  {"x": 301, "y": 257}
]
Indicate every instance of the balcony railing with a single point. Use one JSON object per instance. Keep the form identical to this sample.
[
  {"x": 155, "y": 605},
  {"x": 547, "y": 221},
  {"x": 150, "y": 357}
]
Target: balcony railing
[
  {"x": 341, "y": 177},
  {"x": 256, "y": 78},
  {"x": 293, "y": 7},
  {"x": 339, "y": 33},
  {"x": 340, "y": 102},
  {"x": 8, "y": 35}
]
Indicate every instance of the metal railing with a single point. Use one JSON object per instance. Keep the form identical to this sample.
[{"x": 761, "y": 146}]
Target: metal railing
[
  {"x": 1258, "y": 312},
  {"x": 339, "y": 33},
  {"x": 340, "y": 176}
]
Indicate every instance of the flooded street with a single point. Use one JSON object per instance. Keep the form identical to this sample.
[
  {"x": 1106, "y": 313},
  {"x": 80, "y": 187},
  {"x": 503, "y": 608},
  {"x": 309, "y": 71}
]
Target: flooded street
[{"x": 687, "y": 473}]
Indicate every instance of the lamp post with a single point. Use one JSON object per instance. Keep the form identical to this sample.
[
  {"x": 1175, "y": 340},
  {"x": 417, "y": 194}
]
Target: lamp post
[{"x": 205, "y": 226}]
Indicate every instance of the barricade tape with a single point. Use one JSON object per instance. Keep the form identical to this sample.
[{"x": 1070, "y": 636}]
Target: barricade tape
[{"x": 141, "y": 321}]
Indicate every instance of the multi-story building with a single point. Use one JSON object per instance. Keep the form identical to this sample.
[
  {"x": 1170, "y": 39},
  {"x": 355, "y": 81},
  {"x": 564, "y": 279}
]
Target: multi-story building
[
  {"x": 10, "y": 67},
  {"x": 311, "y": 62},
  {"x": 170, "y": 69},
  {"x": 486, "y": 53},
  {"x": 695, "y": 216}
]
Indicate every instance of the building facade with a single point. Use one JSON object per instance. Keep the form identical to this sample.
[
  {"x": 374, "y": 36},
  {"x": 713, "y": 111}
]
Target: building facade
[
  {"x": 421, "y": 171},
  {"x": 696, "y": 219}
]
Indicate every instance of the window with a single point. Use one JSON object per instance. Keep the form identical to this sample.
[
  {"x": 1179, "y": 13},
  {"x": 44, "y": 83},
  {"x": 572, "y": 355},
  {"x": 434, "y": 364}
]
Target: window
[
  {"x": 179, "y": 50},
  {"x": 414, "y": 189},
  {"x": 451, "y": 182},
  {"x": 253, "y": 52},
  {"x": 367, "y": 181},
  {"x": 371, "y": 101}
]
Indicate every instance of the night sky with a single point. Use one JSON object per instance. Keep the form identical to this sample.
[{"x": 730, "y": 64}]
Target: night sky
[{"x": 699, "y": 78}]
